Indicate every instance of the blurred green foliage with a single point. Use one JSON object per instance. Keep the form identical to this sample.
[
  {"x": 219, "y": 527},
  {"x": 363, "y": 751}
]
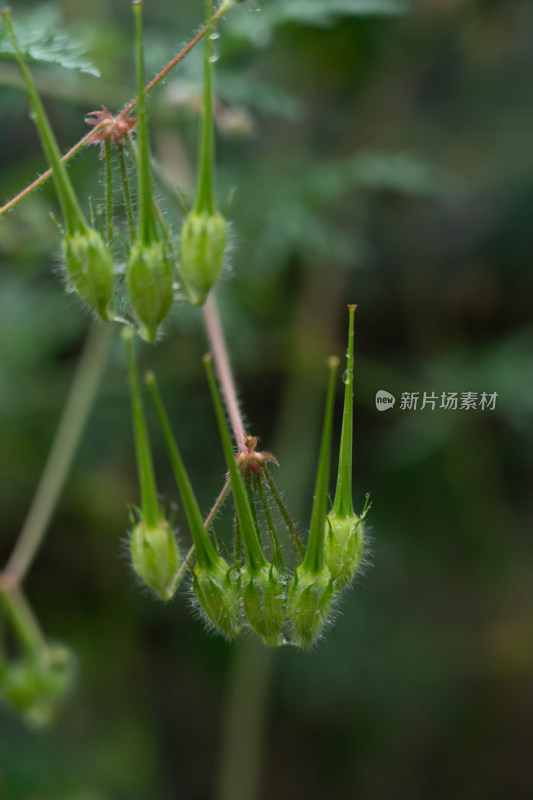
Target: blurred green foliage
[{"x": 380, "y": 160}]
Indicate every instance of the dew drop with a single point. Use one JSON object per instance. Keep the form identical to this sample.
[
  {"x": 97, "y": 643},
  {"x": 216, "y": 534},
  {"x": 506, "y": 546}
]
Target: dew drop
[
  {"x": 346, "y": 377},
  {"x": 214, "y": 58},
  {"x": 214, "y": 35}
]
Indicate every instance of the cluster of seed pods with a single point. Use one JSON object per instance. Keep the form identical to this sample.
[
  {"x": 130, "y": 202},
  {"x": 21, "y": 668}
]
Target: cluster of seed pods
[
  {"x": 249, "y": 589},
  {"x": 134, "y": 277}
]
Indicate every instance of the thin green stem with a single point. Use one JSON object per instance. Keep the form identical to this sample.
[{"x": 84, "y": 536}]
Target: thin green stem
[
  {"x": 217, "y": 505},
  {"x": 89, "y": 136},
  {"x": 244, "y": 724},
  {"x": 74, "y": 219},
  {"x": 145, "y": 466},
  {"x": 343, "y": 504},
  {"x": 284, "y": 512},
  {"x": 22, "y": 618},
  {"x": 205, "y": 190},
  {"x": 278, "y": 555},
  {"x": 130, "y": 216},
  {"x": 108, "y": 185},
  {"x": 314, "y": 555},
  {"x": 71, "y": 425}
]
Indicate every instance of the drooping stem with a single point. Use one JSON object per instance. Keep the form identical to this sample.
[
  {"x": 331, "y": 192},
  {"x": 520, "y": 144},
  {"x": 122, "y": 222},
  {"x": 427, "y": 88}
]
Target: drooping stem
[
  {"x": 89, "y": 136},
  {"x": 217, "y": 342},
  {"x": 253, "y": 550},
  {"x": 205, "y": 189},
  {"x": 22, "y": 618},
  {"x": 71, "y": 425},
  {"x": 343, "y": 504},
  {"x": 217, "y": 505}
]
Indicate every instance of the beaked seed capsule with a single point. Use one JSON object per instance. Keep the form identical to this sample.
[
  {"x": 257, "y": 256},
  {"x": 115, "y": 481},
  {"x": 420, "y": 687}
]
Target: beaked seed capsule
[
  {"x": 89, "y": 266},
  {"x": 202, "y": 248}
]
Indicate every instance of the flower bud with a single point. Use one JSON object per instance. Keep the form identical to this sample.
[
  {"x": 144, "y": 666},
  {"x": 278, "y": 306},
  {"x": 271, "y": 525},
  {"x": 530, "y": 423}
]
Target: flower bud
[
  {"x": 89, "y": 266},
  {"x": 344, "y": 546},
  {"x": 309, "y": 600},
  {"x": 149, "y": 280},
  {"x": 36, "y": 685},
  {"x": 263, "y": 596},
  {"x": 202, "y": 248},
  {"x": 216, "y": 590},
  {"x": 155, "y": 556}
]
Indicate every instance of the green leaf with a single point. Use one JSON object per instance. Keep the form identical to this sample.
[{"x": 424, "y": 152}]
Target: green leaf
[
  {"x": 259, "y": 28},
  {"x": 42, "y": 42}
]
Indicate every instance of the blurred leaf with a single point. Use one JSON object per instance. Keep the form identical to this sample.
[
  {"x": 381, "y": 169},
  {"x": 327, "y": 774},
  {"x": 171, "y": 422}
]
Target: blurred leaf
[
  {"x": 401, "y": 172},
  {"x": 259, "y": 28},
  {"x": 41, "y": 41}
]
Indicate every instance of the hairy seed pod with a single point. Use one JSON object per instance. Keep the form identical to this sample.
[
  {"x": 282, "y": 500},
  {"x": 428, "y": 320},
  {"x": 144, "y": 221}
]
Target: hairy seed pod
[
  {"x": 217, "y": 593},
  {"x": 155, "y": 557},
  {"x": 202, "y": 248},
  {"x": 309, "y": 598},
  {"x": 89, "y": 266},
  {"x": 344, "y": 547},
  {"x": 149, "y": 279},
  {"x": 263, "y": 597},
  {"x": 36, "y": 685}
]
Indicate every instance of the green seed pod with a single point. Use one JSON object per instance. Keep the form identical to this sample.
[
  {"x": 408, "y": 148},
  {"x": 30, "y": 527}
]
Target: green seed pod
[
  {"x": 155, "y": 557},
  {"x": 149, "y": 280},
  {"x": 309, "y": 598},
  {"x": 36, "y": 685},
  {"x": 344, "y": 546},
  {"x": 89, "y": 266},
  {"x": 263, "y": 597},
  {"x": 217, "y": 593},
  {"x": 202, "y": 247}
]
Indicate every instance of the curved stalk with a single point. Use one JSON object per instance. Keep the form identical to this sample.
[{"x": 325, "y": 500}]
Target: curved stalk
[{"x": 71, "y": 425}]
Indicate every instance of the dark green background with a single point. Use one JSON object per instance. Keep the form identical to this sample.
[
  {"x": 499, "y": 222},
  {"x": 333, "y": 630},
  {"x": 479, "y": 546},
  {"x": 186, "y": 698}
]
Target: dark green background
[{"x": 423, "y": 688}]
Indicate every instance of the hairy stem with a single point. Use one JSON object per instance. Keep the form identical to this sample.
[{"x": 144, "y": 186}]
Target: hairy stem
[
  {"x": 22, "y": 618},
  {"x": 89, "y": 136},
  {"x": 218, "y": 346},
  {"x": 217, "y": 505},
  {"x": 72, "y": 423},
  {"x": 108, "y": 184}
]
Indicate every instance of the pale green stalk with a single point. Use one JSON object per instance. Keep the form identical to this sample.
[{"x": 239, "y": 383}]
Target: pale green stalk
[{"x": 72, "y": 423}]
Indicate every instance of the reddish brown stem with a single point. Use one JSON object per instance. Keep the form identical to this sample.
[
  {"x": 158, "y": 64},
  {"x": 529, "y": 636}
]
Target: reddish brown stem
[{"x": 125, "y": 111}]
